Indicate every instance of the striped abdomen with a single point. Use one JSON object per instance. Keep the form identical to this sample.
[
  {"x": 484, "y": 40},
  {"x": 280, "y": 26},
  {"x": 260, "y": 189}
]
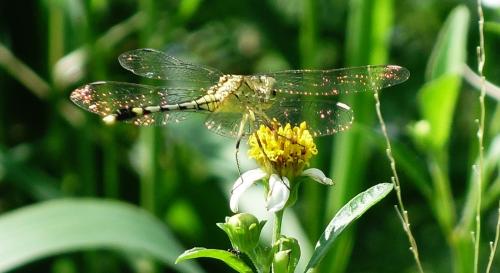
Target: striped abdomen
[{"x": 205, "y": 103}]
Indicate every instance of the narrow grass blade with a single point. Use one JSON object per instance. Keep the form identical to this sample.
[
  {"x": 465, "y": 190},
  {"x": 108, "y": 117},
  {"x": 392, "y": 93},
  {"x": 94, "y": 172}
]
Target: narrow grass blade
[
  {"x": 227, "y": 257},
  {"x": 345, "y": 216},
  {"x": 64, "y": 225}
]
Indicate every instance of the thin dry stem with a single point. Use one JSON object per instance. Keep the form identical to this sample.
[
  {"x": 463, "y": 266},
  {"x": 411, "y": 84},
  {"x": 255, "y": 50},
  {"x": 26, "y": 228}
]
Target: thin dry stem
[
  {"x": 473, "y": 79},
  {"x": 402, "y": 213},
  {"x": 494, "y": 245},
  {"x": 480, "y": 132}
]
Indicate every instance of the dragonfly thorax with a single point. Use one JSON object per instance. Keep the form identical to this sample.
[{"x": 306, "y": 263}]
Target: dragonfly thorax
[
  {"x": 262, "y": 85},
  {"x": 227, "y": 84}
]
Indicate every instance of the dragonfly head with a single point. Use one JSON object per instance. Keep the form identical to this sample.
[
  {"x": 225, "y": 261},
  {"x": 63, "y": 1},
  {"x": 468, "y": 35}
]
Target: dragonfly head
[{"x": 263, "y": 86}]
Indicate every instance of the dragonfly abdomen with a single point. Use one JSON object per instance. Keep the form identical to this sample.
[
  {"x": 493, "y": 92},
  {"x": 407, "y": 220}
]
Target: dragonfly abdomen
[{"x": 204, "y": 103}]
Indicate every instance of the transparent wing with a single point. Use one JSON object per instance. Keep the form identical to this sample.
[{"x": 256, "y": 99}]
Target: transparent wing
[
  {"x": 227, "y": 124},
  {"x": 105, "y": 98},
  {"x": 155, "y": 64},
  {"x": 323, "y": 117},
  {"x": 338, "y": 81},
  {"x": 226, "y": 119}
]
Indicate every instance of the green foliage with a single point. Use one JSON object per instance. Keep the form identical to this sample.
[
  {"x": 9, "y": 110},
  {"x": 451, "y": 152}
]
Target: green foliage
[
  {"x": 65, "y": 225},
  {"x": 351, "y": 211},
  {"x": 444, "y": 74},
  {"x": 440, "y": 93},
  {"x": 449, "y": 53},
  {"x": 367, "y": 42},
  {"x": 180, "y": 174},
  {"x": 227, "y": 257}
]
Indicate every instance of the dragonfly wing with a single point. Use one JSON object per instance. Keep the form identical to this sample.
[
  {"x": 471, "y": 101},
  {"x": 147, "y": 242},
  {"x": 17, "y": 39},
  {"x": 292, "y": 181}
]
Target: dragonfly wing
[
  {"x": 105, "y": 98},
  {"x": 226, "y": 124},
  {"x": 338, "y": 81},
  {"x": 157, "y": 65},
  {"x": 226, "y": 120},
  {"x": 323, "y": 117}
]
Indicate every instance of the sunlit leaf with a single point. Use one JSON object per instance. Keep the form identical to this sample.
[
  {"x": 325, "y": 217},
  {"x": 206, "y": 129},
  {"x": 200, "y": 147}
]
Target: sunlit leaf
[
  {"x": 64, "y": 225},
  {"x": 345, "y": 216},
  {"x": 437, "y": 100},
  {"x": 438, "y": 97},
  {"x": 449, "y": 53},
  {"x": 227, "y": 257}
]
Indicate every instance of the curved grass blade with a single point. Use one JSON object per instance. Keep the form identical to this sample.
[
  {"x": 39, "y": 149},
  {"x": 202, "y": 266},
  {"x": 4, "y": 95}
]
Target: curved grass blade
[
  {"x": 227, "y": 257},
  {"x": 64, "y": 225},
  {"x": 345, "y": 216}
]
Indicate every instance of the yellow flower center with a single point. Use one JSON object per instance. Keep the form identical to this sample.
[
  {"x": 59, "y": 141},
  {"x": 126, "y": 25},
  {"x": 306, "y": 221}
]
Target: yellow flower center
[{"x": 282, "y": 150}]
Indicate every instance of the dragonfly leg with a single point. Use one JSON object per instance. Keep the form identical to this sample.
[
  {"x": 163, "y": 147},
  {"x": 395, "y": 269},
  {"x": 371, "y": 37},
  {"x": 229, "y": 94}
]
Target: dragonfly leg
[
  {"x": 241, "y": 133},
  {"x": 268, "y": 159},
  {"x": 238, "y": 163},
  {"x": 290, "y": 139},
  {"x": 269, "y": 124}
]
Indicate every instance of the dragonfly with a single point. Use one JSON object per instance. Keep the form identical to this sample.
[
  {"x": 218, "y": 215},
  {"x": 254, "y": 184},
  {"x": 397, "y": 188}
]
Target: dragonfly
[{"x": 235, "y": 105}]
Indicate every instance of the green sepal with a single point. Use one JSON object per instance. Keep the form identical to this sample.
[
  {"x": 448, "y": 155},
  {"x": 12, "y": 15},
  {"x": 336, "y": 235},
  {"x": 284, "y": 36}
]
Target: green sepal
[
  {"x": 286, "y": 255},
  {"x": 243, "y": 230}
]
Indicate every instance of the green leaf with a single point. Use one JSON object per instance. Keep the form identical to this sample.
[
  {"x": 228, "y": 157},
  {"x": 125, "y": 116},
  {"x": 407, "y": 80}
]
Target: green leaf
[
  {"x": 449, "y": 53},
  {"x": 437, "y": 101},
  {"x": 438, "y": 97},
  {"x": 64, "y": 225},
  {"x": 229, "y": 258},
  {"x": 345, "y": 216}
]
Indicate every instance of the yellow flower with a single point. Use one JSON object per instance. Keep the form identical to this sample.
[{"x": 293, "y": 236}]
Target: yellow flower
[
  {"x": 282, "y": 153},
  {"x": 282, "y": 150}
]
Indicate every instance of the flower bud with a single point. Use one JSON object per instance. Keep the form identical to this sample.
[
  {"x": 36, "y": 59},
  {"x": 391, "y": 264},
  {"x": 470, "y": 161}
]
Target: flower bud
[
  {"x": 243, "y": 230},
  {"x": 286, "y": 255}
]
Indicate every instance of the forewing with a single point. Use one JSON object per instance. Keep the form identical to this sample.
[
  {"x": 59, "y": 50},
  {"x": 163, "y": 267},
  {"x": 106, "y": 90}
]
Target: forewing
[
  {"x": 155, "y": 64},
  {"x": 105, "y": 98},
  {"x": 338, "y": 81},
  {"x": 323, "y": 117}
]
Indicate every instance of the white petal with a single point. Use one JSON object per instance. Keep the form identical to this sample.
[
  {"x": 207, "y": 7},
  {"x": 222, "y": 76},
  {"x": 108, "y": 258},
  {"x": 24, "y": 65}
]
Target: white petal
[
  {"x": 244, "y": 182},
  {"x": 279, "y": 191},
  {"x": 318, "y": 176}
]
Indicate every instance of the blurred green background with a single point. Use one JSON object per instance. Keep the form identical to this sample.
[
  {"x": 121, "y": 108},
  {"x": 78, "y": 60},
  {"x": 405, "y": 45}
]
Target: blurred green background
[{"x": 79, "y": 196}]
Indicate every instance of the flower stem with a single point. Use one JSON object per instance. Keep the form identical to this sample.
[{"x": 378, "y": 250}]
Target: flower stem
[{"x": 278, "y": 218}]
